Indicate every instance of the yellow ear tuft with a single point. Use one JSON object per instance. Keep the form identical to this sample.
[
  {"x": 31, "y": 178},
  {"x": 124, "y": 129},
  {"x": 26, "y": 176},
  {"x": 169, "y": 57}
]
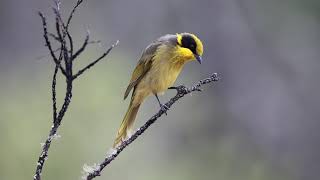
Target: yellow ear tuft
[{"x": 199, "y": 44}]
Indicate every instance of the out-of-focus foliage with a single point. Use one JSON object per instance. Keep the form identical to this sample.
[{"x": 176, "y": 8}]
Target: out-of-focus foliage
[{"x": 259, "y": 122}]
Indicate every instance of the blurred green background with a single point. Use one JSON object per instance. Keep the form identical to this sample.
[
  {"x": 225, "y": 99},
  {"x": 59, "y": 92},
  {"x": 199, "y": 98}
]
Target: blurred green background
[{"x": 259, "y": 122}]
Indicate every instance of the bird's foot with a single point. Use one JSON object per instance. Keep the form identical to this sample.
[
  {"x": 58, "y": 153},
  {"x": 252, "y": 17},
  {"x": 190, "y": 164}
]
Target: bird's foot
[
  {"x": 182, "y": 89},
  {"x": 164, "y": 108}
]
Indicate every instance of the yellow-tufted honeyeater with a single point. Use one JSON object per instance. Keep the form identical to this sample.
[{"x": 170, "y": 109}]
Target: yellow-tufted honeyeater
[{"x": 157, "y": 70}]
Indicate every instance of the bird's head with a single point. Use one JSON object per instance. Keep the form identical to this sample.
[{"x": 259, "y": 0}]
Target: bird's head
[{"x": 190, "y": 46}]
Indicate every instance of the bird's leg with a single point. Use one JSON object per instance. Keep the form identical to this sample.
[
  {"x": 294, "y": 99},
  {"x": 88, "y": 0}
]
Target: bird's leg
[{"x": 162, "y": 106}]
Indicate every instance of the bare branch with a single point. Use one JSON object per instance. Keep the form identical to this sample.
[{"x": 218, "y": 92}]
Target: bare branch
[
  {"x": 96, "y": 61},
  {"x": 65, "y": 31},
  {"x": 181, "y": 92},
  {"x": 56, "y": 119},
  {"x": 66, "y": 54},
  {"x": 84, "y": 45},
  {"x": 60, "y": 38},
  {"x": 53, "y": 132},
  {"x": 54, "y": 99},
  {"x": 72, "y": 12},
  {"x": 48, "y": 44},
  {"x": 53, "y": 86},
  {"x": 55, "y": 38},
  {"x": 64, "y": 47},
  {"x": 70, "y": 43}
]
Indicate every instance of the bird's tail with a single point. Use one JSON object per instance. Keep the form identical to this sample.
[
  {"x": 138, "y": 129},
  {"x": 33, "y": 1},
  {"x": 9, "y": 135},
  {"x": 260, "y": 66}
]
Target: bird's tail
[{"x": 126, "y": 124}]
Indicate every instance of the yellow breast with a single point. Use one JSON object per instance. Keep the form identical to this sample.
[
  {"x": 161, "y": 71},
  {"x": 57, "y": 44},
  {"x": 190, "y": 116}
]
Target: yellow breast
[{"x": 165, "y": 69}]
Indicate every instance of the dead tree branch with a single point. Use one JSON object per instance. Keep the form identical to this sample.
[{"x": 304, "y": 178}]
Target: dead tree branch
[
  {"x": 65, "y": 41},
  {"x": 181, "y": 92}
]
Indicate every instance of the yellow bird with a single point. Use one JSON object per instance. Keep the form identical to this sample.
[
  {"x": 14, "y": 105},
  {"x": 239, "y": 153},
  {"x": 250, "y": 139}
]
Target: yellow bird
[{"x": 157, "y": 70}]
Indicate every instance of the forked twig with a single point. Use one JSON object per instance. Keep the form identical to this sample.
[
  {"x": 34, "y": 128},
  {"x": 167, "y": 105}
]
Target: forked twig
[{"x": 65, "y": 50}]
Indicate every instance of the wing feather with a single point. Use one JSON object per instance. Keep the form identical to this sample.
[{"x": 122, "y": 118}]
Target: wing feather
[{"x": 143, "y": 66}]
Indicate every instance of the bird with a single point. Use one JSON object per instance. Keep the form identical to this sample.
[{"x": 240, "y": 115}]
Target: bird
[{"x": 156, "y": 71}]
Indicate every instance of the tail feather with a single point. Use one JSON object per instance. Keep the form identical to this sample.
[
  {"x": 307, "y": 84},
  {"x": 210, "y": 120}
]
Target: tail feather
[{"x": 126, "y": 124}]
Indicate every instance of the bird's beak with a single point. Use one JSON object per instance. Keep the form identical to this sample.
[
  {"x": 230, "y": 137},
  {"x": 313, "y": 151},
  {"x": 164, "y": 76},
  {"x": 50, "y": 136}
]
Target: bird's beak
[{"x": 198, "y": 58}]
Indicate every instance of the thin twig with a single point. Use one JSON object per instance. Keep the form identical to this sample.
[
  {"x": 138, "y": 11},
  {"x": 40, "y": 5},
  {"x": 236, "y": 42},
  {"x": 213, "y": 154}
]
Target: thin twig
[
  {"x": 56, "y": 10},
  {"x": 58, "y": 49},
  {"x": 181, "y": 92},
  {"x": 55, "y": 37},
  {"x": 46, "y": 145},
  {"x": 60, "y": 38},
  {"x": 96, "y": 61},
  {"x": 54, "y": 99},
  {"x": 70, "y": 43},
  {"x": 72, "y": 12},
  {"x": 48, "y": 44},
  {"x": 84, "y": 45}
]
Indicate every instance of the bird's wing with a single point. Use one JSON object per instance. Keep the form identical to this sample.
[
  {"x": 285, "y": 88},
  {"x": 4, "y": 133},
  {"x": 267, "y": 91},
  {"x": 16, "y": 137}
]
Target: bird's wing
[{"x": 143, "y": 66}]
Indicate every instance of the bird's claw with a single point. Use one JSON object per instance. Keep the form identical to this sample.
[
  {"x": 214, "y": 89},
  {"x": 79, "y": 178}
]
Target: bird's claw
[
  {"x": 164, "y": 108},
  {"x": 182, "y": 89}
]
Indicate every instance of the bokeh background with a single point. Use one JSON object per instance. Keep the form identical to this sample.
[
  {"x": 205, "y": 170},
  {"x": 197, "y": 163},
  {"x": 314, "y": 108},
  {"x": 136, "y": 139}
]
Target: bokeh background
[{"x": 259, "y": 122}]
